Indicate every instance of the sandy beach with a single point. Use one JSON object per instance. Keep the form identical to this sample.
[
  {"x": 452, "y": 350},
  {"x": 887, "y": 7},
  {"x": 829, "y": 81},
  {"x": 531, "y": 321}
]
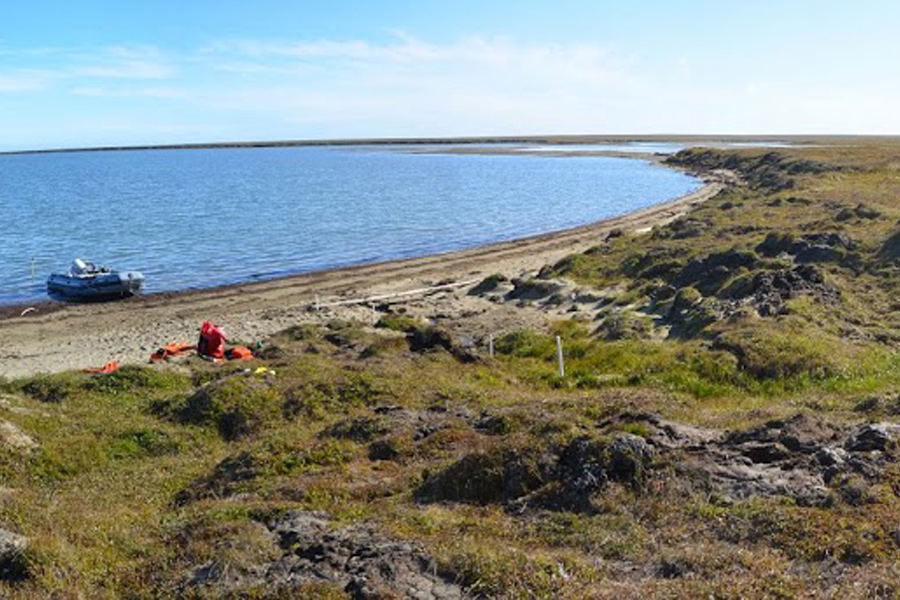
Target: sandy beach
[{"x": 55, "y": 337}]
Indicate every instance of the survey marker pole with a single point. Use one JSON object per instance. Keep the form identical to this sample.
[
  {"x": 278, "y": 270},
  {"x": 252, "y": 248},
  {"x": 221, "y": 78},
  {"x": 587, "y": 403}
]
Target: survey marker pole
[{"x": 559, "y": 357}]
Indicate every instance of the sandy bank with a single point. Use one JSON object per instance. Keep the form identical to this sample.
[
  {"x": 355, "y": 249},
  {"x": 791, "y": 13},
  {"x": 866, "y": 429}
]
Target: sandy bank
[{"x": 53, "y": 339}]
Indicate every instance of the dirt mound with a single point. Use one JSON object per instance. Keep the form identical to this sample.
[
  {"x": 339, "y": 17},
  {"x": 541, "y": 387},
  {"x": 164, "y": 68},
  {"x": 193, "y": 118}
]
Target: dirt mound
[
  {"x": 800, "y": 433},
  {"x": 563, "y": 478},
  {"x": 802, "y": 458},
  {"x": 587, "y": 465},
  {"x": 367, "y": 563},
  {"x": 306, "y": 548},
  {"x": 890, "y": 249},
  {"x": 660, "y": 433},
  {"x": 769, "y": 173},
  {"x": 493, "y": 283},
  {"x": 236, "y": 405},
  {"x": 13, "y": 563},
  {"x": 810, "y": 248},
  {"x": 437, "y": 338},
  {"x": 682, "y": 228},
  {"x": 624, "y": 326},
  {"x": 768, "y": 291},
  {"x": 358, "y": 429},
  {"x": 878, "y": 437},
  {"x": 711, "y": 272},
  {"x": 727, "y": 285},
  {"x": 501, "y": 475},
  {"x": 534, "y": 289},
  {"x": 225, "y": 480},
  {"x": 861, "y": 212},
  {"x": 390, "y": 433}
]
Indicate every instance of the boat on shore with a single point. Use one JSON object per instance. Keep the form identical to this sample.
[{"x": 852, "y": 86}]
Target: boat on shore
[{"x": 86, "y": 281}]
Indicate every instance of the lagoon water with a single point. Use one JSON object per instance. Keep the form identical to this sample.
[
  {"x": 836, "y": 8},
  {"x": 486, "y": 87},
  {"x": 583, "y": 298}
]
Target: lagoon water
[{"x": 204, "y": 217}]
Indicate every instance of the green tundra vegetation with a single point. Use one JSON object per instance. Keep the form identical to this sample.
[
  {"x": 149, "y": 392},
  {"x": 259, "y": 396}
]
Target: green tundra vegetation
[{"x": 725, "y": 428}]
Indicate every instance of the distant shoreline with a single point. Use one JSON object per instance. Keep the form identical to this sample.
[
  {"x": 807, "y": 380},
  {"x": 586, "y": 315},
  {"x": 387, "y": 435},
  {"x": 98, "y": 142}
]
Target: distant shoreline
[{"x": 535, "y": 139}]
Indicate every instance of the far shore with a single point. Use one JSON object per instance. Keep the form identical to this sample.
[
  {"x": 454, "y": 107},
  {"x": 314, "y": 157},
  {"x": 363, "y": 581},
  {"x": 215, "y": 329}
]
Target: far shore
[
  {"x": 56, "y": 337},
  {"x": 525, "y": 139}
]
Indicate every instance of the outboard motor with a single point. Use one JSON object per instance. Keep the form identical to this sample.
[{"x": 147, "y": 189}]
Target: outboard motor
[{"x": 79, "y": 267}]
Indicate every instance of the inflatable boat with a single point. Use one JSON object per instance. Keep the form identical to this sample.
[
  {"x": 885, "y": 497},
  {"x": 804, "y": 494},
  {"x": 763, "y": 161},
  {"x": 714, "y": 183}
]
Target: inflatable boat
[{"x": 86, "y": 281}]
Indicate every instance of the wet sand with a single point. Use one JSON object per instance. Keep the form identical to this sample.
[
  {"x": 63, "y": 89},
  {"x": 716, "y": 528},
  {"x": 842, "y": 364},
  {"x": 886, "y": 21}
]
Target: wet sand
[{"x": 57, "y": 337}]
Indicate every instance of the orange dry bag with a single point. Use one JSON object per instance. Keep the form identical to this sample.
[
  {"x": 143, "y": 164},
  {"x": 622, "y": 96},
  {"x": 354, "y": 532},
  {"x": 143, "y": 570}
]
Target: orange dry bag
[
  {"x": 239, "y": 353},
  {"x": 212, "y": 341}
]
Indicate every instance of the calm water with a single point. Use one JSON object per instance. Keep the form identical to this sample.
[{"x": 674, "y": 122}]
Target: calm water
[{"x": 199, "y": 218}]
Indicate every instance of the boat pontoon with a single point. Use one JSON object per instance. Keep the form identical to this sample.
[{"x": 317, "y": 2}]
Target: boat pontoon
[{"x": 87, "y": 281}]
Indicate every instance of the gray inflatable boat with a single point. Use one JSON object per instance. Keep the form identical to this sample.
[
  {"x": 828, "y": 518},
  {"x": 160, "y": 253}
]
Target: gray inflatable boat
[{"x": 85, "y": 281}]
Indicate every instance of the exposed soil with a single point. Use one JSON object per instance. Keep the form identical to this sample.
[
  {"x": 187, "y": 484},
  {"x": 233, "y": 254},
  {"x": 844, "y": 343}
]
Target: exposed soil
[
  {"x": 357, "y": 559},
  {"x": 804, "y": 458},
  {"x": 810, "y": 461}
]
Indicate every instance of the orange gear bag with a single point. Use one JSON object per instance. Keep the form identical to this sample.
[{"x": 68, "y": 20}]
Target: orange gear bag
[{"x": 239, "y": 353}]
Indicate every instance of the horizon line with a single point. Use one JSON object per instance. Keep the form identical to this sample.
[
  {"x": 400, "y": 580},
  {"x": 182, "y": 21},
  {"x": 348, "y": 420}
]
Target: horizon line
[{"x": 535, "y": 138}]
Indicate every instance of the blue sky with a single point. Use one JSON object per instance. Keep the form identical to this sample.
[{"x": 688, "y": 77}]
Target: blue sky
[{"x": 103, "y": 73}]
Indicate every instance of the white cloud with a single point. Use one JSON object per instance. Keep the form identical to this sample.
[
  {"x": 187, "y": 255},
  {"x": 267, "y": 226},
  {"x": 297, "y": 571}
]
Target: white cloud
[
  {"x": 124, "y": 62},
  {"x": 588, "y": 62},
  {"x": 163, "y": 93},
  {"x": 125, "y": 70},
  {"x": 61, "y": 65},
  {"x": 489, "y": 84},
  {"x": 250, "y": 68},
  {"x": 24, "y": 80}
]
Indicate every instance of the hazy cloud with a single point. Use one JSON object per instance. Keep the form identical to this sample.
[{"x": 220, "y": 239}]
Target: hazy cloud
[
  {"x": 23, "y": 80},
  {"x": 469, "y": 84},
  {"x": 586, "y": 62},
  {"x": 164, "y": 93},
  {"x": 124, "y": 62}
]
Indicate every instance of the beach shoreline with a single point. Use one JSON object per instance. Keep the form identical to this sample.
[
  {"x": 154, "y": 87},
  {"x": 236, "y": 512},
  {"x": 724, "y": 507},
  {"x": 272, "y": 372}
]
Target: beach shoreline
[{"x": 56, "y": 337}]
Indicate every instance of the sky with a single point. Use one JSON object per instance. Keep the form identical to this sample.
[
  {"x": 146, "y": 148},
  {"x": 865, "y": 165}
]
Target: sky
[{"x": 96, "y": 72}]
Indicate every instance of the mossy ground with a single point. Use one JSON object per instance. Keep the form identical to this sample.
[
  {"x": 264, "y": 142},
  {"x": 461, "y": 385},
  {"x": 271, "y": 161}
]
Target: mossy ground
[{"x": 147, "y": 473}]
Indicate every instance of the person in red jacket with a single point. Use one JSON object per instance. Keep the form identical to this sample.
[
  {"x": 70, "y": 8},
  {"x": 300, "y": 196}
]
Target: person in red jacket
[{"x": 212, "y": 341}]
